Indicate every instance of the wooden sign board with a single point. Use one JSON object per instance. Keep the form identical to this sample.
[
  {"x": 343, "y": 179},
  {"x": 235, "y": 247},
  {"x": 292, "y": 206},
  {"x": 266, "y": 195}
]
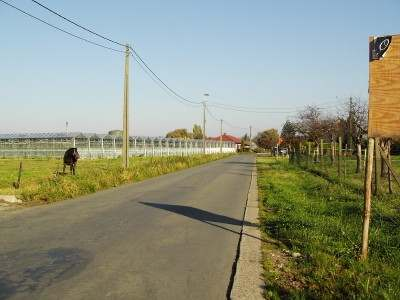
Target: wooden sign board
[{"x": 384, "y": 87}]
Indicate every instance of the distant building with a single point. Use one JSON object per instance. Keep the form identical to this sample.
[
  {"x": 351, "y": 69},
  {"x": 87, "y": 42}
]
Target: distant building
[{"x": 229, "y": 138}]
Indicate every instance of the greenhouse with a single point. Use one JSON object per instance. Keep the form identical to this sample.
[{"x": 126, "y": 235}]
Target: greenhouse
[{"x": 92, "y": 145}]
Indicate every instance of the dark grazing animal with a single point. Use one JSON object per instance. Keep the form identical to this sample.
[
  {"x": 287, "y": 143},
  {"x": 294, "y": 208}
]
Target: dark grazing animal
[{"x": 71, "y": 157}]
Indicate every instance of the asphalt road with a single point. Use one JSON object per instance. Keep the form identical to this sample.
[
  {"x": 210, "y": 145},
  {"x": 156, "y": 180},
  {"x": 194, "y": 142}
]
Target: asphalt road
[{"x": 170, "y": 237}]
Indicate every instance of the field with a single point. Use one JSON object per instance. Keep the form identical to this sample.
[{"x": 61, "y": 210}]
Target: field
[
  {"x": 41, "y": 181},
  {"x": 311, "y": 226}
]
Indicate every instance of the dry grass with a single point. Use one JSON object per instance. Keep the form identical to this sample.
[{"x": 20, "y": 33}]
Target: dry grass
[{"x": 42, "y": 182}]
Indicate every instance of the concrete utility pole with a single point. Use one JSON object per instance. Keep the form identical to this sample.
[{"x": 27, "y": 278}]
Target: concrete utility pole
[
  {"x": 250, "y": 137},
  {"x": 220, "y": 137},
  {"x": 204, "y": 123},
  {"x": 125, "y": 135}
]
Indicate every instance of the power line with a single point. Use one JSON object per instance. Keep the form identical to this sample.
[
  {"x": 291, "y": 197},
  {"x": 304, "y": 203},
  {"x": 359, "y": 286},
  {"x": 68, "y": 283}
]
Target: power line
[
  {"x": 226, "y": 122},
  {"x": 252, "y": 111},
  {"x": 228, "y": 106},
  {"x": 212, "y": 115},
  {"x": 234, "y": 126},
  {"x": 147, "y": 69},
  {"x": 162, "y": 82},
  {"x": 120, "y": 44},
  {"x": 76, "y": 24},
  {"x": 141, "y": 61},
  {"x": 159, "y": 84},
  {"x": 60, "y": 29},
  {"x": 279, "y": 110}
]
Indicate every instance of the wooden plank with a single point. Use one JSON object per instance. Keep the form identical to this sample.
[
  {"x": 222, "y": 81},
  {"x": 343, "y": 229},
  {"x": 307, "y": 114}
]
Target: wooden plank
[
  {"x": 384, "y": 88},
  {"x": 395, "y": 176}
]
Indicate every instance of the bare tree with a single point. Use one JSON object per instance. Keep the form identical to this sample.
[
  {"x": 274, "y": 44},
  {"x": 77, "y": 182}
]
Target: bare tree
[
  {"x": 353, "y": 123},
  {"x": 314, "y": 126}
]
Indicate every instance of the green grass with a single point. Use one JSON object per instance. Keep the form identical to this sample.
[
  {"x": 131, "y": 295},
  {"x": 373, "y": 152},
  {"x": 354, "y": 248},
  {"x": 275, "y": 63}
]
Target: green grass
[
  {"x": 41, "y": 184},
  {"x": 306, "y": 210}
]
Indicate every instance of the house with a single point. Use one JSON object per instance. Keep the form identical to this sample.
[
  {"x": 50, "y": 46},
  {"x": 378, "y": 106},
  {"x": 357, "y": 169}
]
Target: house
[{"x": 229, "y": 138}]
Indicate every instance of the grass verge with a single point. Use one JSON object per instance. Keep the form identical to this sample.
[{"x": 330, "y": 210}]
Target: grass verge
[
  {"x": 41, "y": 182},
  {"x": 310, "y": 213}
]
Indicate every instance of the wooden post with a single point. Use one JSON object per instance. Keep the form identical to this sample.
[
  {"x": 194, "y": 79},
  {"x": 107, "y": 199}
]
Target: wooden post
[
  {"x": 18, "y": 182},
  {"x": 367, "y": 199},
  {"x": 365, "y": 158},
  {"x": 377, "y": 168},
  {"x": 359, "y": 155},
  {"x": 332, "y": 152},
  {"x": 395, "y": 176},
  {"x": 384, "y": 152},
  {"x": 308, "y": 153},
  {"x": 344, "y": 162},
  {"x": 388, "y": 169},
  {"x": 322, "y": 152},
  {"x": 299, "y": 154},
  {"x": 339, "y": 156}
]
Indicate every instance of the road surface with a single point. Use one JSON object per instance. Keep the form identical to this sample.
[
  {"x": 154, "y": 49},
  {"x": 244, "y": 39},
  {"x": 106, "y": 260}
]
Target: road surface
[{"x": 170, "y": 237}]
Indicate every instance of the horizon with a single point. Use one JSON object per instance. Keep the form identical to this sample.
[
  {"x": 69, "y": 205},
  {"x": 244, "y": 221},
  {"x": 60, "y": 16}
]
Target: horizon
[{"x": 241, "y": 54}]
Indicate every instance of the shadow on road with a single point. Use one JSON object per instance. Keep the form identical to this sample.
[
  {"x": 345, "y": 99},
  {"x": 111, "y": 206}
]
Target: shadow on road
[
  {"x": 204, "y": 216},
  {"x": 25, "y": 272}
]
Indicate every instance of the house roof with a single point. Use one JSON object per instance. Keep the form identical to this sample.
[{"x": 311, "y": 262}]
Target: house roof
[{"x": 227, "y": 138}]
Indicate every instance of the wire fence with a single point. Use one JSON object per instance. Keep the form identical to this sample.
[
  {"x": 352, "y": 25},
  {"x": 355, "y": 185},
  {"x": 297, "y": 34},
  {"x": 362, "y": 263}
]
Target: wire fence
[
  {"x": 341, "y": 164},
  {"x": 109, "y": 147}
]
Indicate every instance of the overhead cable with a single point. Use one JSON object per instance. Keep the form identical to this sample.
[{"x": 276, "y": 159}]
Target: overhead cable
[
  {"x": 60, "y": 29},
  {"x": 76, "y": 24}
]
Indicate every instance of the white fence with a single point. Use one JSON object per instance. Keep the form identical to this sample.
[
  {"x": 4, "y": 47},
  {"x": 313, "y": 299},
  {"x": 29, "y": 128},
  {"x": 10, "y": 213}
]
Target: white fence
[{"x": 95, "y": 146}]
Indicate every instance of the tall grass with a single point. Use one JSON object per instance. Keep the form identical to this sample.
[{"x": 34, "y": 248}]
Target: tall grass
[
  {"x": 41, "y": 181},
  {"x": 311, "y": 213}
]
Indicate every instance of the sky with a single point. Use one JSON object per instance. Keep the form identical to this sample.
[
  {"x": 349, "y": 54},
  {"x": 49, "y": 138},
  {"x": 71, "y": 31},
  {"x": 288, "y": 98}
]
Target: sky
[{"x": 281, "y": 55}]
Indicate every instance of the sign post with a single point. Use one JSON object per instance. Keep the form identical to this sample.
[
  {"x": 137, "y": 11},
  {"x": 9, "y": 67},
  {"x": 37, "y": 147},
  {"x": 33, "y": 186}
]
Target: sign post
[{"x": 383, "y": 112}]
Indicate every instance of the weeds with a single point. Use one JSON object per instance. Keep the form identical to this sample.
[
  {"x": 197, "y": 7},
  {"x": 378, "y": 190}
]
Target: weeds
[
  {"x": 42, "y": 182},
  {"x": 321, "y": 219}
]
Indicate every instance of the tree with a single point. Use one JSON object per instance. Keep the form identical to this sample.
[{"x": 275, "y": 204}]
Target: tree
[
  {"x": 180, "y": 133},
  {"x": 313, "y": 126},
  {"x": 245, "y": 138},
  {"x": 115, "y": 132},
  {"x": 197, "y": 132},
  {"x": 245, "y": 143},
  {"x": 289, "y": 133},
  {"x": 267, "y": 139},
  {"x": 353, "y": 125}
]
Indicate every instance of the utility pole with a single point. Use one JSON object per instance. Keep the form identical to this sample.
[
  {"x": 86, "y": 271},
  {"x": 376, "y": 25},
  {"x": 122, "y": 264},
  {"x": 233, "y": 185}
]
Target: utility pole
[
  {"x": 250, "y": 138},
  {"x": 204, "y": 123},
  {"x": 125, "y": 135},
  {"x": 220, "y": 137},
  {"x": 204, "y": 127}
]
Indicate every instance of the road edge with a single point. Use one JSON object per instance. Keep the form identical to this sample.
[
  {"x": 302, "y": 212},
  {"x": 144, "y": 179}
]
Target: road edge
[{"x": 248, "y": 281}]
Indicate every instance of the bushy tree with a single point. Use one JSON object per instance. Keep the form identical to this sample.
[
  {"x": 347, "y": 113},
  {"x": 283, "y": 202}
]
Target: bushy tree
[
  {"x": 267, "y": 139},
  {"x": 289, "y": 133},
  {"x": 197, "y": 132},
  {"x": 115, "y": 132},
  {"x": 180, "y": 133}
]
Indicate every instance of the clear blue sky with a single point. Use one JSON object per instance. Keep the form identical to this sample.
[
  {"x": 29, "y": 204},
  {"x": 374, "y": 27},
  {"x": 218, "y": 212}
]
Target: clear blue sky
[{"x": 252, "y": 53}]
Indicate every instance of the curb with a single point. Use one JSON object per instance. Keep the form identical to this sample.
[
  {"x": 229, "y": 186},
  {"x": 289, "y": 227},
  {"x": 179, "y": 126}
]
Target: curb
[{"x": 248, "y": 282}]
